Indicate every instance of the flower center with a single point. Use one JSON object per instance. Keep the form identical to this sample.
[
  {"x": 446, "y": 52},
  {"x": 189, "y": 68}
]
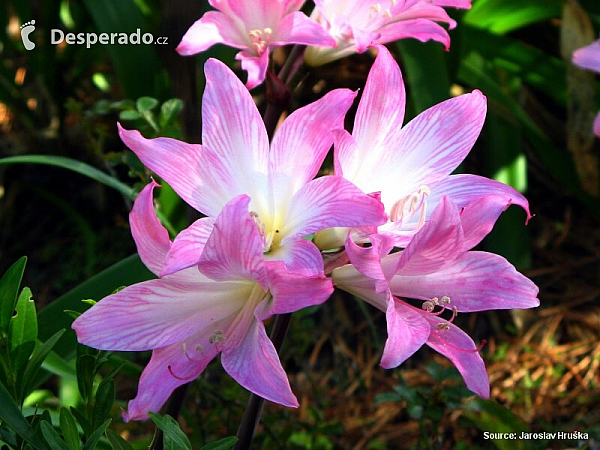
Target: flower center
[
  {"x": 405, "y": 208},
  {"x": 271, "y": 235},
  {"x": 260, "y": 39}
]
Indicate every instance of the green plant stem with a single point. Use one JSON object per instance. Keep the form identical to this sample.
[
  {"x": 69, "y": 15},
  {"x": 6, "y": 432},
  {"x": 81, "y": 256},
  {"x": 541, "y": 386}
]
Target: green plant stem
[{"x": 255, "y": 404}]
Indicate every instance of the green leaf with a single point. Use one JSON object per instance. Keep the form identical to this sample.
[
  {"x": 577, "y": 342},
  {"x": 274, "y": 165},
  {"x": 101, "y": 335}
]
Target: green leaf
[
  {"x": 22, "y": 331},
  {"x": 489, "y": 416},
  {"x": 502, "y": 16},
  {"x": 83, "y": 422},
  {"x": 7, "y": 435},
  {"x": 169, "y": 110},
  {"x": 9, "y": 288},
  {"x": 86, "y": 365},
  {"x": 69, "y": 429},
  {"x": 129, "y": 115},
  {"x": 117, "y": 442},
  {"x": 60, "y": 367},
  {"x": 473, "y": 71},
  {"x": 137, "y": 66},
  {"x": 537, "y": 68},
  {"x": 146, "y": 104},
  {"x": 75, "y": 166},
  {"x": 426, "y": 70},
  {"x": 37, "y": 358},
  {"x": 105, "y": 397},
  {"x": 173, "y": 437},
  {"x": 11, "y": 415},
  {"x": 52, "y": 437},
  {"x": 91, "y": 442},
  {"x": 221, "y": 444},
  {"x": 23, "y": 325}
]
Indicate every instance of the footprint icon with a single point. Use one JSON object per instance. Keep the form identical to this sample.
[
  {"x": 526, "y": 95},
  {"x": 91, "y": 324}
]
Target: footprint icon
[{"x": 26, "y": 29}]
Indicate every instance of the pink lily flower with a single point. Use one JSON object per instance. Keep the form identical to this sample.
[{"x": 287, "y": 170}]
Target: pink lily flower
[
  {"x": 588, "y": 57},
  {"x": 255, "y": 27},
  {"x": 189, "y": 317},
  {"x": 358, "y": 24},
  {"x": 434, "y": 268},
  {"x": 410, "y": 165},
  {"x": 235, "y": 159}
]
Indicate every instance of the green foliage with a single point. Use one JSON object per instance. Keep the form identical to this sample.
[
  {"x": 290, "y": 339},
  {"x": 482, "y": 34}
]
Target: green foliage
[
  {"x": 116, "y": 441},
  {"x": 501, "y": 16},
  {"x": 13, "y": 419},
  {"x": 221, "y": 444},
  {"x": 75, "y": 166},
  {"x": 9, "y": 288},
  {"x": 490, "y": 416},
  {"x": 143, "y": 116},
  {"x": 492, "y": 50},
  {"x": 173, "y": 437}
]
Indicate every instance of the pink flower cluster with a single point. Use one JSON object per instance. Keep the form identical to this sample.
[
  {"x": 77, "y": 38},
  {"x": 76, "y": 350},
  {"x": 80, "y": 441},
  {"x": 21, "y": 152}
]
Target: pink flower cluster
[
  {"x": 394, "y": 221},
  {"x": 336, "y": 28}
]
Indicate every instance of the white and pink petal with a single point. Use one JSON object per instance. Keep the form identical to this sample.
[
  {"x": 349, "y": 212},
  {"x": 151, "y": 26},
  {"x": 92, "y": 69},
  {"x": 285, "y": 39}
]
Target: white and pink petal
[
  {"x": 292, "y": 291},
  {"x": 449, "y": 340},
  {"x": 169, "y": 368},
  {"x": 331, "y": 201},
  {"x": 407, "y": 332},
  {"x": 475, "y": 281},
  {"x": 151, "y": 238},
  {"x": 214, "y": 27},
  {"x": 158, "y": 313},
  {"x": 188, "y": 245},
  {"x": 233, "y": 128},
  {"x": 254, "y": 364},
  {"x": 234, "y": 250}
]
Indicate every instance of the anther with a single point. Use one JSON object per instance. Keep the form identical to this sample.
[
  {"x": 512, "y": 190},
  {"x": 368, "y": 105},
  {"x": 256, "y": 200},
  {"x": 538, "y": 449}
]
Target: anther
[
  {"x": 217, "y": 337},
  {"x": 430, "y": 305}
]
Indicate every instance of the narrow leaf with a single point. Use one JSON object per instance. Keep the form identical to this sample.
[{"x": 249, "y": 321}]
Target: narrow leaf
[
  {"x": 9, "y": 288},
  {"x": 117, "y": 442},
  {"x": 83, "y": 422},
  {"x": 85, "y": 375},
  {"x": 105, "y": 397},
  {"x": 23, "y": 325},
  {"x": 38, "y": 357},
  {"x": 91, "y": 442},
  {"x": 75, "y": 166},
  {"x": 172, "y": 433},
  {"x": 69, "y": 429},
  {"x": 11, "y": 415},
  {"x": 52, "y": 437},
  {"x": 221, "y": 444}
]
